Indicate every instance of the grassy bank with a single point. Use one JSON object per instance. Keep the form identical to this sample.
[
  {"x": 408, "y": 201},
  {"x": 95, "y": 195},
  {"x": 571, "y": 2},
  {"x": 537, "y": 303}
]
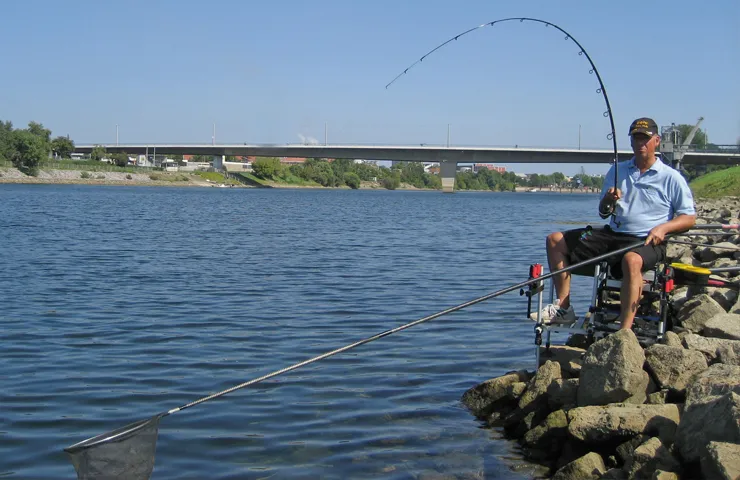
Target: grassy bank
[{"x": 722, "y": 183}]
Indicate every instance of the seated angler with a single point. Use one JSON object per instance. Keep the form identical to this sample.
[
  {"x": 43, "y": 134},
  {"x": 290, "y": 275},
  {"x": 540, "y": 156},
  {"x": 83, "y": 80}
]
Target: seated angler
[{"x": 651, "y": 200}]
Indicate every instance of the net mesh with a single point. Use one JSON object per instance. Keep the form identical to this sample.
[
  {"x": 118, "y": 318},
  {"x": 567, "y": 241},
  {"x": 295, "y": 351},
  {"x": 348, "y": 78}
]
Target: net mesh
[{"x": 124, "y": 453}]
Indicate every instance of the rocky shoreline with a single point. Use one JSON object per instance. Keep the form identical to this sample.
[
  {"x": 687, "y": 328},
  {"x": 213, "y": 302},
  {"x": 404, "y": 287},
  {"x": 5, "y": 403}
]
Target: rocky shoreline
[
  {"x": 617, "y": 410},
  {"x": 75, "y": 177}
]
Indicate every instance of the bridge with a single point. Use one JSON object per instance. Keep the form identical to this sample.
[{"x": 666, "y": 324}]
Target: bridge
[{"x": 447, "y": 157}]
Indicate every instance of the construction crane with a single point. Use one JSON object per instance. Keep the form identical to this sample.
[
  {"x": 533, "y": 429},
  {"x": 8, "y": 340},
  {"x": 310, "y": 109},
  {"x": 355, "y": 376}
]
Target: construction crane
[
  {"x": 672, "y": 147},
  {"x": 691, "y": 134}
]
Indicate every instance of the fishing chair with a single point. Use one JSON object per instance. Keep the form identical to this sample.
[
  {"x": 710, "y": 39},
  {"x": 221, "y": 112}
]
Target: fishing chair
[
  {"x": 653, "y": 313},
  {"x": 651, "y": 321}
]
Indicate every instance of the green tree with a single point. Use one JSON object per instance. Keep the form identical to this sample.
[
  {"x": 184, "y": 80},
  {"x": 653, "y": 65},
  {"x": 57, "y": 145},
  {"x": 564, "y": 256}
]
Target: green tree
[
  {"x": 433, "y": 181},
  {"x": 120, "y": 159},
  {"x": 342, "y": 165},
  {"x": 322, "y": 173},
  {"x": 6, "y": 132},
  {"x": 366, "y": 172},
  {"x": 43, "y": 133},
  {"x": 39, "y": 130},
  {"x": 535, "y": 180},
  {"x": 267, "y": 167},
  {"x": 392, "y": 179},
  {"x": 62, "y": 147},
  {"x": 98, "y": 153},
  {"x": 352, "y": 180},
  {"x": 558, "y": 178},
  {"x": 27, "y": 151},
  {"x": 413, "y": 174}
]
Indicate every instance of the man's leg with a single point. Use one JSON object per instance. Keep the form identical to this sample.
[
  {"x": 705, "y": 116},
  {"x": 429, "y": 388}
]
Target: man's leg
[
  {"x": 557, "y": 257},
  {"x": 631, "y": 288}
]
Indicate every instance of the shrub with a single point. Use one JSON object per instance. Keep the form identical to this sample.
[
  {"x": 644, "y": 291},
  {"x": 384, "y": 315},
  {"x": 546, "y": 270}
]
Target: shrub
[
  {"x": 352, "y": 180},
  {"x": 391, "y": 182},
  {"x": 129, "y": 177},
  {"x": 85, "y": 175},
  {"x": 267, "y": 167}
]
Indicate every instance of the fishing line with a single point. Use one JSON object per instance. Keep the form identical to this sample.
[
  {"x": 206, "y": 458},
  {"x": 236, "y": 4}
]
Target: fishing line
[{"x": 581, "y": 52}]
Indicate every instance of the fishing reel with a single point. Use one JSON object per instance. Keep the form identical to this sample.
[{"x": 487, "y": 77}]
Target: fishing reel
[{"x": 607, "y": 210}]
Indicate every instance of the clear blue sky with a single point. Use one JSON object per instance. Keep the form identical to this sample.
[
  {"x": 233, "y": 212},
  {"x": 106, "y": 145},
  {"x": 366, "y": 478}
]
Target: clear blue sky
[{"x": 271, "y": 72}]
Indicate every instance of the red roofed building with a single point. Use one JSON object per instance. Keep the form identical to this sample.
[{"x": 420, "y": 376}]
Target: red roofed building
[
  {"x": 489, "y": 166},
  {"x": 292, "y": 160}
]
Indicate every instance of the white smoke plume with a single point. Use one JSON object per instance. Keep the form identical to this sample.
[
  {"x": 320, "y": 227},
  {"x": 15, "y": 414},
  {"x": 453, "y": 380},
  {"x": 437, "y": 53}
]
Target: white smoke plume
[{"x": 307, "y": 140}]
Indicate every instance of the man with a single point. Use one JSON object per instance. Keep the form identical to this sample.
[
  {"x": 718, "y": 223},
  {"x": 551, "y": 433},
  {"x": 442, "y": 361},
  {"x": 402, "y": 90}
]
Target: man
[{"x": 651, "y": 201}]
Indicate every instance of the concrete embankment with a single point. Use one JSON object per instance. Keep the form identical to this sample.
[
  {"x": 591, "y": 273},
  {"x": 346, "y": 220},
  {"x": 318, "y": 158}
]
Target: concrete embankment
[{"x": 617, "y": 410}]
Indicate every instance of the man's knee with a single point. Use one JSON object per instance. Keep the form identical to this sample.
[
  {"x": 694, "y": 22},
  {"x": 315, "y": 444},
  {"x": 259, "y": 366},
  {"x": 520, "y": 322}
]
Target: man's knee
[
  {"x": 631, "y": 262},
  {"x": 556, "y": 242}
]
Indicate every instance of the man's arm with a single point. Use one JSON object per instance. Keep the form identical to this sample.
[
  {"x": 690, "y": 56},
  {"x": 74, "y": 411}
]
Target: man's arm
[{"x": 677, "y": 224}]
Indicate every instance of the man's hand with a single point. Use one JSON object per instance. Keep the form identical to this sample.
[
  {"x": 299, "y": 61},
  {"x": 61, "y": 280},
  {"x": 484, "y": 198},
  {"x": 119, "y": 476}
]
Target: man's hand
[
  {"x": 609, "y": 202},
  {"x": 612, "y": 195},
  {"x": 657, "y": 235}
]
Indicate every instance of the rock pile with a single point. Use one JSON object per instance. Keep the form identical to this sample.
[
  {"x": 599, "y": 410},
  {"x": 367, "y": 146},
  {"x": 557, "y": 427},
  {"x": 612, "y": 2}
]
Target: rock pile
[{"x": 618, "y": 411}]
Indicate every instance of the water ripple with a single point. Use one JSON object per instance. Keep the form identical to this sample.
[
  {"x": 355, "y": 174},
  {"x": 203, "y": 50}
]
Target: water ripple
[{"x": 124, "y": 302}]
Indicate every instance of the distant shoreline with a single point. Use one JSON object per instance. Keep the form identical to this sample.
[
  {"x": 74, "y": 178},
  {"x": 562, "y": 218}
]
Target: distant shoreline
[{"x": 74, "y": 177}]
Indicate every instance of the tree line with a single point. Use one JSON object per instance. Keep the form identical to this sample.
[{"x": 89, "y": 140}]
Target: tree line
[
  {"x": 343, "y": 171},
  {"x": 27, "y": 147}
]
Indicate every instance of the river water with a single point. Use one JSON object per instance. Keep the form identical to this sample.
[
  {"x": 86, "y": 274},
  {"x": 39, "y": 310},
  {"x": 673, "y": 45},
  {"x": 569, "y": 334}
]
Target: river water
[{"x": 122, "y": 302}]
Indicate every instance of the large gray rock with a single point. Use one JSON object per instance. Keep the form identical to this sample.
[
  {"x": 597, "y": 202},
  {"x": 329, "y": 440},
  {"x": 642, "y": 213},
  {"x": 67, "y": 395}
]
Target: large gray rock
[
  {"x": 722, "y": 461},
  {"x": 562, "y": 392},
  {"x": 613, "y": 423},
  {"x": 569, "y": 358},
  {"x": 588, "y": 467},
  {"x": 550, "y": 434},
  {"x": 516, "y": 390},
  {"x": 658, "y": 398},
  {"x": 673, "y": 367},
  {"x": 724, "y": 263},
  {"x": 714, "y": 421},
  {"x": 672, "y": 339},
  {"x": 536, "y": 393},
  {"x": 612, "y": 371},
  {"x": 710, "y": 347},
  {"x": 482, "y": 398},
  {"x": 649, "y": 457},
  {"x": 721, "y": 249},
  {"x": 663, "y": 475},
  {"x": 695, "y": 313},
  {"x": 726, "y": 325},
  {"x": 674, "y": 251},
  {"x": 726, "y": 297},
  {"x": 627, "y": 449},
  {"x": 614, "y": 474},
  {"x": 713, "y": 382},
  {"x": 728, "y": 356}
]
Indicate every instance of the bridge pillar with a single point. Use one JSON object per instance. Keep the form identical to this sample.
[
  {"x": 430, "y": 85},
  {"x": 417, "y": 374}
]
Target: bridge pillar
[
  {"x": 447, "y": 171},
  {"x": 218, "y": 162}
]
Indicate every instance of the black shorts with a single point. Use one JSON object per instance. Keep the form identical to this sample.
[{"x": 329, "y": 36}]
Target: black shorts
[{"x": 586, "y": 243}]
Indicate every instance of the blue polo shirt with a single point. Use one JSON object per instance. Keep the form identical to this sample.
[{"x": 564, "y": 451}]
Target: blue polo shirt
[{"x": 648, "y": 199}]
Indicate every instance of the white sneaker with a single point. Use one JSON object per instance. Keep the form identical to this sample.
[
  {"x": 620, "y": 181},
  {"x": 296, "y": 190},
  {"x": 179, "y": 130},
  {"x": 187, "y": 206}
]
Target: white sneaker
[{"x": 552, "y": 313}]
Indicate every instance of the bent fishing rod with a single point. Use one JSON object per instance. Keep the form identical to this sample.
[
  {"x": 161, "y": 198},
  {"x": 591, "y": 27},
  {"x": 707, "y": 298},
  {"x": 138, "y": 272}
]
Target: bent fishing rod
[
  {"x": 131, "y": 429},
  {"x": 581, "y": 52}
]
